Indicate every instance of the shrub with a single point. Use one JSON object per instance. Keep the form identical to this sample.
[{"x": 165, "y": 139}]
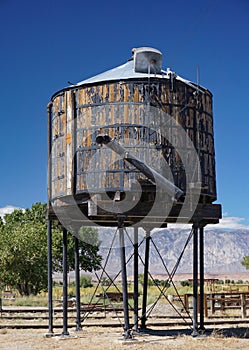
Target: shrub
[
  {"x": 85, "y": 281},
  {"x": 105, "y": 281},
  {"x": 186, "y": 284}
]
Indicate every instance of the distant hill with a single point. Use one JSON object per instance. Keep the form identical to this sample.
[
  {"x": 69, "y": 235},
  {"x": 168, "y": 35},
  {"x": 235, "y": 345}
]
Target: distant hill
[{"x": 224, "y": 250}]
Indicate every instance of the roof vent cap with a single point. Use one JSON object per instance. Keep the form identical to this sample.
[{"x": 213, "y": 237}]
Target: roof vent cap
[{"x": 147, "y": 60}]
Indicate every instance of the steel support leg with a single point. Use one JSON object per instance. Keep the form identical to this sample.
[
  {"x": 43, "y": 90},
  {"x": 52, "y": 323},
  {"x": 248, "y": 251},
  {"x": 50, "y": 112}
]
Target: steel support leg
[
  {"x": 145, "y": 286},
  {"x": 127, "y": 333},
  {"x": 65, "y": 300},
  {"x": 77, "y": 283},
  {"x": 195, "y": 281},
  {"x": 201, "y": 257},
  {"x": 50, "y": 278},
  {"x": 136, "y": 278}
]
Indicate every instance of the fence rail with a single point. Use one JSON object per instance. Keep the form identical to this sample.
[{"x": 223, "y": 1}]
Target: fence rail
[{"x": 222, "y": 301}]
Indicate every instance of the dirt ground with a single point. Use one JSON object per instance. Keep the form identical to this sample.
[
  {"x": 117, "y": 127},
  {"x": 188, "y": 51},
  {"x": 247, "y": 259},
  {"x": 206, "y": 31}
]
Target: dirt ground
[{"x": 96, "y": 338}]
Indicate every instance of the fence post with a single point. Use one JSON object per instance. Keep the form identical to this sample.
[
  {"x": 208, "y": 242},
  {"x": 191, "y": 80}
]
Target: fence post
[
  {"x": 243, "y": 305},
  {"x": 186, "y": 302},
  {"x": 222, "y": 302},
  {"x": 205, "y": 306},
  {"x": 212, "y": 303}
]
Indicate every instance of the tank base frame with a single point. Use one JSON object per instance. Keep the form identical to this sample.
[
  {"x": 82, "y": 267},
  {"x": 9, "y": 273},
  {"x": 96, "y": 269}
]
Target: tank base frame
[{"x": 204, "y": 214}]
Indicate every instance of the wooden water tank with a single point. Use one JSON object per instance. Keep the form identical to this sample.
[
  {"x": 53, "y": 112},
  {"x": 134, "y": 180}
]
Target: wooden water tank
[{"x": 139, "y": 105}]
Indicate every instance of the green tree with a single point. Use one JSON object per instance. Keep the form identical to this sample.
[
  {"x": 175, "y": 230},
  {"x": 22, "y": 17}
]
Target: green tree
[
  {"x": 245, "y": 262},
  {"x": 23, "y": 249},
  {"x": 23, "y": 252},
  {"x": 1, "y": 224},
  {"x": 89, "y": 259}
]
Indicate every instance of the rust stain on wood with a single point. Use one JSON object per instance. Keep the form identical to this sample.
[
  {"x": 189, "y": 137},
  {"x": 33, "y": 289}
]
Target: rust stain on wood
[{"x": 68, "y": 138}]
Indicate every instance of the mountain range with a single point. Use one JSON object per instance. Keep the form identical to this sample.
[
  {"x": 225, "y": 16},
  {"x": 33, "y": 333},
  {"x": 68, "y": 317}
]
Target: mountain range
[{"x": 223, "y": 250}]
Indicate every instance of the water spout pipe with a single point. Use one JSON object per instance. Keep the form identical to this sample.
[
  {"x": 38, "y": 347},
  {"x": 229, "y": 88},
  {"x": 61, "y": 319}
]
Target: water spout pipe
[{"x": 150, "y": 173}]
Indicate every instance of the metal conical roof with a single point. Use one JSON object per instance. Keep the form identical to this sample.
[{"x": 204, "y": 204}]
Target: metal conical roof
[
  {"x": 125, "y": 71},
  {"x": 145, "y": 63}
]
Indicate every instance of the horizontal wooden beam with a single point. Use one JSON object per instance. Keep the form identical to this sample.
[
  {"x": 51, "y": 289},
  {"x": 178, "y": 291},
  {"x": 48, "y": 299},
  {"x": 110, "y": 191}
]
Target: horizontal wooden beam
[{"x": 177, "y": 213}]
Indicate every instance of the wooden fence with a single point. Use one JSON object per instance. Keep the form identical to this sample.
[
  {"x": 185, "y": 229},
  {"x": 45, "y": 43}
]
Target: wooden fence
[{"x": 221, "y": 301}]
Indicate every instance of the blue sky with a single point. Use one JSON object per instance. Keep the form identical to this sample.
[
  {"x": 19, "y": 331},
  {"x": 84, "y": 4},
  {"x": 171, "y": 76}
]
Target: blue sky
[{"x": 45, "y": 44}]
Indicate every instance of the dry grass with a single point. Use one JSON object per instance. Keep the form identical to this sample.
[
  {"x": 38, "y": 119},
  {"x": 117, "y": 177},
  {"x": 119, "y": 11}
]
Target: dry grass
[
  {"x": 98, "y": 338},
  {"x": 94, "y": 338}
]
